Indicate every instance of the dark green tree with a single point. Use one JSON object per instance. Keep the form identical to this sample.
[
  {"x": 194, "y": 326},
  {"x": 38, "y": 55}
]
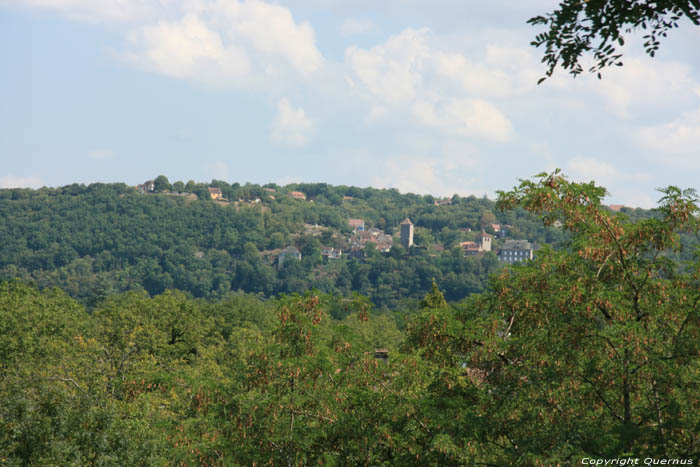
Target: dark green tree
[
  {"x": 161, "y": 183},
  {"x": 577, "y": 28}
]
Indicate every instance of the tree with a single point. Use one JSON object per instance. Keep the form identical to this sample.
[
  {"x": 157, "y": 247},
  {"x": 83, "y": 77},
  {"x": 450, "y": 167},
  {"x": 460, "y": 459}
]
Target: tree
[
  {"x": 161, "y": 183},
  {"x": 606, "y": 330},
  {"x": 592, "y": 350},
  {"x": 487, "y": 218},
  {"x": 577, "y": 28},
  {"x": 179, "y": 186}
]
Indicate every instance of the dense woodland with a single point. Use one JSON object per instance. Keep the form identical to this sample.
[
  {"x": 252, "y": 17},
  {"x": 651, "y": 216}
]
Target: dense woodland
[
  {"x": 590, "y": 350},
  {"x": 149, "y": 329},
  {"x": 92, "y": 241}
]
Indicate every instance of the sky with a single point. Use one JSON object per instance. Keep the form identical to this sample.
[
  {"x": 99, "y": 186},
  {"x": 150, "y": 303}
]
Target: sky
[{"x": 436, "y": 97}]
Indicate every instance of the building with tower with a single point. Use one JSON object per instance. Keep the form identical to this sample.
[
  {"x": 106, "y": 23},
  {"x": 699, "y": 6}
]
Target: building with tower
[
  {"x": 407, "y": 233},
  {"x": 484, "y": 241}
]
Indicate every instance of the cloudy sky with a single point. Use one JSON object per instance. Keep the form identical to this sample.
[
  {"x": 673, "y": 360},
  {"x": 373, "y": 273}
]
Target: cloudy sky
[{"x": 432, "y": 97}]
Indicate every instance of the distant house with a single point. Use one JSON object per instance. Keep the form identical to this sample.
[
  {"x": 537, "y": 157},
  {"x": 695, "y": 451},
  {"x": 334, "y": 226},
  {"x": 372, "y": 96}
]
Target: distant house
[
  {"x": 470, "y": 248},
  {"x": 381, "y": 240},
  {"x": 331, "y": 253},
  {"x": 147, "y": 187},
  {"x": 358, "y": 225},
  {"x": 616, "y": 207},
  {"x": 215, "y": 193},
  {"x": 496, "y": 227},
  {"x": 443, "y": 202},
  {"x": 270, "y": 190},
  {"x": 271, "y": 255},
  {"x": 481, "y": 245},
  {"x": 298, "y": 195},
  {"x": 384, "y": 243},
  {"x": 289, "y": 252},
  {"x": 314, "y": 229},
  {"x": 514, "y": 251}
]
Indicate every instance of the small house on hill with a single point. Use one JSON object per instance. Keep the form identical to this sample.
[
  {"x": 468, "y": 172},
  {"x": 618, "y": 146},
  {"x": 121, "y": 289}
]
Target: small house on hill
[
  {"x": 358, "y": 225},
  {"x": 215, "y": 193},
  {"x": 148, "y": 186},
  {"x": 470, "y": 248},
  {"x": 331, "y": 253},
  {"x": 289, "y": 252},
  {"x": 298, "y": 195}
]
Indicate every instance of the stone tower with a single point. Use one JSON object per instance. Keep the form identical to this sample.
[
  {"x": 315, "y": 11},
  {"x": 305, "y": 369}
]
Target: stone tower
[
  {"x": 406, "y": 233},
  {"x": 484, "y": 240}
]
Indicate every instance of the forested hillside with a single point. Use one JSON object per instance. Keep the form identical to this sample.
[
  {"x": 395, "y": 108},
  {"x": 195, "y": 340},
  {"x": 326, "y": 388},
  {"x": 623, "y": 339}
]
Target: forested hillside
[
  {"x": 589, "y": 351},
  {"x": 92, "y": 241}
]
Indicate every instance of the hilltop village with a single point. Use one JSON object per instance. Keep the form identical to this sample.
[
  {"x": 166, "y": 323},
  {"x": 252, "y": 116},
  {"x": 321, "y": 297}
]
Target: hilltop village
[
  {"x": 510, "y": 250},
  {"x": 217, "y": 238}
]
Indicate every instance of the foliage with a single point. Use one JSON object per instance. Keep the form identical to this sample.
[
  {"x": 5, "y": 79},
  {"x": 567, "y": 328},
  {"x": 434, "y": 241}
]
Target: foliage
[
  {"x": 97, "y": 240},
  {"x": 576, "y": 28},
  {"x": 604, "y": 331}
]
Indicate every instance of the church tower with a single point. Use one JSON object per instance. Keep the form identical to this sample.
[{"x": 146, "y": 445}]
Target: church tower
[
  {"x": 406, "y": 233},
  {"x": 484, "y": 240}
]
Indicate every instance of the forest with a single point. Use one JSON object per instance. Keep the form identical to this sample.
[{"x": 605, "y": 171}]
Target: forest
[
  {"x": 96, "y": 240},
  {"x": 591, "y": 350},
  {"x": 151, "y": 325}
]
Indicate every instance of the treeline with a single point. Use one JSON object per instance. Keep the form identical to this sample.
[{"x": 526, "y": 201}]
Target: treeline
[
  {"x": 591, "y": 350},
  {"x": 93, "y": 241},
  {"x": 168, "y": 379}
]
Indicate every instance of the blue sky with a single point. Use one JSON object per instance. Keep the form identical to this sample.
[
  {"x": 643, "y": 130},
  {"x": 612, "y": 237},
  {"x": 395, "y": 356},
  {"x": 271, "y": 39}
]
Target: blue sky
[{"x": 432, "y": 97}]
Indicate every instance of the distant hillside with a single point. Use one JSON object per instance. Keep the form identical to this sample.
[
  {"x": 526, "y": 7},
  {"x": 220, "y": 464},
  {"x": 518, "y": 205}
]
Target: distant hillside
[{"x": 99, "y": 239}]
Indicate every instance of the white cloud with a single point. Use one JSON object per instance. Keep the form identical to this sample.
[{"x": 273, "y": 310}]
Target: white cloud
[
  {"x": 467, "y": 117},
  {"x": 352, "y": 26},
  {"x": 641, "y": 89},
  {"x": 271, "y": 30},
  {"x": 100, "y": 154},
  {"x": 676, "y": 142},
  {"x": 228, "y": 43},
  {"x": 626, "y": 187},
  {"x": 644, "y": 83},
  {"x": 409, "y": 75},
  {"x": 187, "y": 49},
  {"x": 11, "y": 181},
  {"x": 391, "y": 72},
  {"x": 291, "y": 126},
  {"x": 504, "y": 72},
  {"x": 603, "y": 173},
  {"x": 410, "y": 175},
  {"x": 423, "y": 175},
  {"x": 587, "y": 169},
  {"x": 452, "y": 167}
]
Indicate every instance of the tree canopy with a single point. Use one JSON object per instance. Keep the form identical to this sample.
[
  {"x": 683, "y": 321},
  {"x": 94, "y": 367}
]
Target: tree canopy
[
  {"x": 598, "y": 27},
  {"x": 589, "y": 350}
]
